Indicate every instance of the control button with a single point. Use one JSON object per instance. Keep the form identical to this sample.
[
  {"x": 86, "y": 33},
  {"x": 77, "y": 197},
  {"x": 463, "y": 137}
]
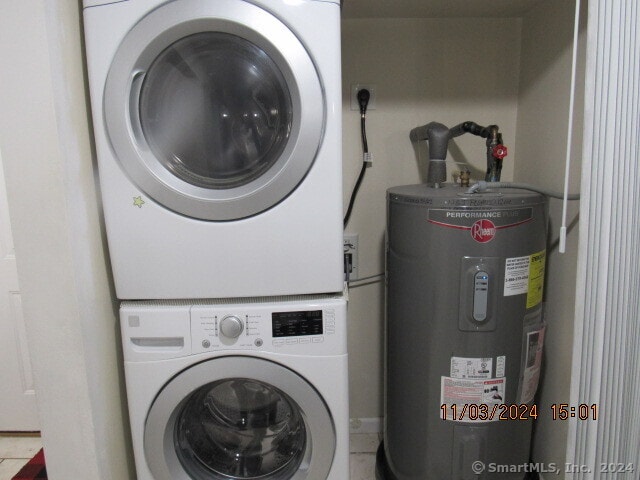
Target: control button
[
  {"x": 292, "y": 341},
  {"x": 258, "y": 342},
  {"x": 206, "y": 343},
  {"x": 231, "y": 326},
  {"x": 331, "y": 323},
  {"x": 305, "y": 340},
  {"x": 278, "y": 343},
  {"x": 317, "y": 339},
  {"x": 331, "y": 330}
]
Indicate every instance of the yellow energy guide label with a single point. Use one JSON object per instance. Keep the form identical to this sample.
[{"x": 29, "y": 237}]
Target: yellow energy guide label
[{"x": 525, "y": 275}]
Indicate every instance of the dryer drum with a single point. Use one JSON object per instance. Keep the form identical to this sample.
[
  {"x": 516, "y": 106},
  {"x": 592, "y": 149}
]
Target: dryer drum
[{"x": 215, "y": 110}]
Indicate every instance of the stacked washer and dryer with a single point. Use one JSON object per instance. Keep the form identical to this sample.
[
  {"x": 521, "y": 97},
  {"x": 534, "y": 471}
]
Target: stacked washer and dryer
[{"x": 218, "y": 136}]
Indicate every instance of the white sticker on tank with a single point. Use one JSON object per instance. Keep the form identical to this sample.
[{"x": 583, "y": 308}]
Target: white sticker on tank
[
  {"x": 533, "y": 362},
  {"x": 472, "y": 368},
  {"x": 501, "y": 362},
  {"x": 516, "y": 275},
  {"x": 465, "y": 400}
]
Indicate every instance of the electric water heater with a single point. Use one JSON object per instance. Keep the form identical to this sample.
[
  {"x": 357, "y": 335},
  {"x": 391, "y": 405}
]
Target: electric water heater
[{"x": 464, "y": 332}]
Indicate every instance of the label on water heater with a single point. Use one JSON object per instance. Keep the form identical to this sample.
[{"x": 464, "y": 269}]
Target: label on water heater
[
  {"x": 482, "y": 225},
  {"x": 501, "y": 363},
  {"x": 472, "y": 388},
  {"x": 516, "y": 275},
  {"x": 465, "y": 400},
  {"x": 534, "y": 342},
  {"x": 525, "y": 275},
  {"x": 476, "y": 368},
  {"x": 536, "y": 278}
]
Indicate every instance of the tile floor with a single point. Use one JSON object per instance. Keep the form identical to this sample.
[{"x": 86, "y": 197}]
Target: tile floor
[
  {"x": 16, "y": 451},
  {"x": 363, "y": 448}
]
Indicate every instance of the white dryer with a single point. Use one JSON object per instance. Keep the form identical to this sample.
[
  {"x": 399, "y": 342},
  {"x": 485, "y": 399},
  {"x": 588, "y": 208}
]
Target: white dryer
[
  {"x": 218, "y": 135},
  {"x": 238, "y": 391}
]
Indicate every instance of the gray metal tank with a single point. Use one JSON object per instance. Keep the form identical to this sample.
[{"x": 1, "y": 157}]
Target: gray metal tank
[{"x": 464, "y": 332}]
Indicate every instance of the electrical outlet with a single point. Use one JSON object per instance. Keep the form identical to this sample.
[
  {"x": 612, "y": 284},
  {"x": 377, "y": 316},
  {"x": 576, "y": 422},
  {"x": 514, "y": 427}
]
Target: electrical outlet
[
  {"x": 350, "y": 245},
  {"x": 354, "y": 96}
]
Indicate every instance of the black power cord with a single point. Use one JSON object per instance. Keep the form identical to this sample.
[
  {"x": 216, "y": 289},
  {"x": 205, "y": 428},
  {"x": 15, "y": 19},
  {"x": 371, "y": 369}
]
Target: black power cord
[{"x": 363, "y": 100}]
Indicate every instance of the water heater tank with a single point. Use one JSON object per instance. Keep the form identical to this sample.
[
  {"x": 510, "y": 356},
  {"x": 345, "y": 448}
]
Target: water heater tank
[{"x": 464, "y": 332}]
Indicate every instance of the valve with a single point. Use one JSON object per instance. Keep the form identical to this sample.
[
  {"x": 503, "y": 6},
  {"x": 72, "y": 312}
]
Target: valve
[{"x": 499, "y": 151}]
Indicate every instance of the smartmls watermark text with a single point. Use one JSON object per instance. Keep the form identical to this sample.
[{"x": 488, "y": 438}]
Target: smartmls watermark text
[{"x": 551, "y": 468}]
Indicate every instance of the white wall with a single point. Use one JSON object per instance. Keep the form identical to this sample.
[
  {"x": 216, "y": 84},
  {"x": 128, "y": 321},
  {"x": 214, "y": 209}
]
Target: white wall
[
  {"x": 445, "y": 70},
  {"x": 62, "y": 264},
  {"x": 547, "y": 45}
]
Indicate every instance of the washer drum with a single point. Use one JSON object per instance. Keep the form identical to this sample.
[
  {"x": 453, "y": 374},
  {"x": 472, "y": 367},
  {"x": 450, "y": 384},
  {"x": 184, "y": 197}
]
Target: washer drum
[{"x": 464, "y": 331}]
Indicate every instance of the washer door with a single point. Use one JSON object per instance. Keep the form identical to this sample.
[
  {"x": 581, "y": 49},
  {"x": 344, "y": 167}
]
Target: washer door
[
  {"x": 236, "y": 418},
  {"x": 214, "y": 109}
]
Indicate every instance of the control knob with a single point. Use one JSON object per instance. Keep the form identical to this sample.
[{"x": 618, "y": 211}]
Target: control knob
[{"x": 231, "y": 326}]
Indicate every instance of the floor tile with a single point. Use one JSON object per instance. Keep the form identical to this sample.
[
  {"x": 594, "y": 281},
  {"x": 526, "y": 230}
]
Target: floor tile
[
  {"x": 363, "y": 442},
  {"x": 19, "y": 447},
  {"x": 9, "y": 467},
  {"x": 362, "y": 466}
]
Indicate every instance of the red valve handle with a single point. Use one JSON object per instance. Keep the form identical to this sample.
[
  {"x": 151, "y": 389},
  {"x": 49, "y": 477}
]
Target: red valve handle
[{"x": 499, "y": 152}]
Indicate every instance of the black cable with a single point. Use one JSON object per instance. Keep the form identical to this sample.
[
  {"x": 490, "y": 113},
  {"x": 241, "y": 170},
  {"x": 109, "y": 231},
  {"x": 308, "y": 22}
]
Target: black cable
[
  {"x": 363, "y": 131},
  {"x": 363, "y": 101},
  {"x": 354, "y": 193}
]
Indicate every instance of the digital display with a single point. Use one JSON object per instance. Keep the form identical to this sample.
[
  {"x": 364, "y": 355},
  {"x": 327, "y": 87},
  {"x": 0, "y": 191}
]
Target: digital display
[{"x": 296, "y": 324}]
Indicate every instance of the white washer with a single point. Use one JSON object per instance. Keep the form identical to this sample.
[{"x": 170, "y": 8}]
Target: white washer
[
  {"x": 238, "y": 391},
  {"x": 218, "y": 136}
]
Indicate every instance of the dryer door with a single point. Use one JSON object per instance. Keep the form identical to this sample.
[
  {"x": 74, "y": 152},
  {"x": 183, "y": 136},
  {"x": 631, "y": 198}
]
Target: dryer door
[
  {"x": 236, "y": 418},
  {"x": 214, "y": 109}
]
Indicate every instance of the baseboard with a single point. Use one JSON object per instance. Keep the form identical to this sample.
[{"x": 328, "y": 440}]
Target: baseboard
[{"x": 365, "y": 425}]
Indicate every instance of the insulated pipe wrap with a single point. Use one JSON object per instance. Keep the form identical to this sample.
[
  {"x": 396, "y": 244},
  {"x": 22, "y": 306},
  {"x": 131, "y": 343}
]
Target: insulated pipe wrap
[
  {"x": 437, "y": 172},
  {"x": 438, "y": 136},
  {"x": 419, "y": 133}
]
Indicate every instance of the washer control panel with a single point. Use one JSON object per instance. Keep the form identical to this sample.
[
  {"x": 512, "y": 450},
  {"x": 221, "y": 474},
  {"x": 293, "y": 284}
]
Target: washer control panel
[{"x": 290, "y": 329}]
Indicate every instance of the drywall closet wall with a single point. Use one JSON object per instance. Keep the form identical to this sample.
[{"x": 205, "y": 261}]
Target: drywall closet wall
[
  {"x": 69, "y": 311},
  {"x": 514, "y": 72},
  {"x": 545, "y": 72}
]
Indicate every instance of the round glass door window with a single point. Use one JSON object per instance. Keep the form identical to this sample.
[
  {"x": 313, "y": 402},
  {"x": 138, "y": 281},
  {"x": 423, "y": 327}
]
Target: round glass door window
[
  {"x": 240, "y": 429},
  {"x": 215, "y": 110}
]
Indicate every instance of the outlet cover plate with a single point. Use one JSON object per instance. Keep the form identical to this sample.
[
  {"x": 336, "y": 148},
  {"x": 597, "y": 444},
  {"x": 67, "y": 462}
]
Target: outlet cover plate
[
  {"x": 354, "y": 96},
  {"x": 350, "y": 245}
]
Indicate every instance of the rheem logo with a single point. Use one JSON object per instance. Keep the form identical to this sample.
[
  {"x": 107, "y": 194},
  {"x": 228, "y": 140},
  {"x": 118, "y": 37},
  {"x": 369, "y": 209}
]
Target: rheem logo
[{"x": 483, "y": 231}]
